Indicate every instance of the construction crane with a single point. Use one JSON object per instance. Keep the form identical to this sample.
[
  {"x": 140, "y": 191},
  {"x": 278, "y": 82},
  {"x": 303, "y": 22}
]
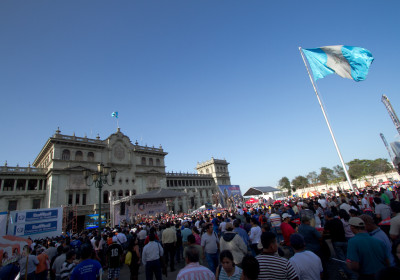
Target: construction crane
[
  {"x": 392, "y": 157},
  {"x": 391, "y": 112}
]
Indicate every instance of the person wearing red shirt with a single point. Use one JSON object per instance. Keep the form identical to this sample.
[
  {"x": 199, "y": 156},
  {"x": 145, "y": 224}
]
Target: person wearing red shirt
[{"x": 287, "y": 230}]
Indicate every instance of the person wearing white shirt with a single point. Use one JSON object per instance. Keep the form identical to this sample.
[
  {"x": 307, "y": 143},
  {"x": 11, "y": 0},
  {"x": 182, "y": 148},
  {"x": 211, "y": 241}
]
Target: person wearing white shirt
[
  {"x": 345, "y": 206},
  {"x": 306, "y": 264},
  {"x": 365, "y": 202},
  {"x": 254, "y": 235},
  {"x": 152, "y": 253},
  {"x": 323, "y": 202}
]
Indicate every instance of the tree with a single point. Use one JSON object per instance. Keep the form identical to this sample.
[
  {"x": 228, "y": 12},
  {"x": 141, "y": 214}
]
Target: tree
[
  {"x": 381, "y": 165},
  {"x": 312, "y": 177},
  {"x": 359, "y": 168},
  {"x": 338, "y": 173},
  {"x": 300, "y": 182},
  {"x": 326, "y": 175},
  {"x": 284, "y": 184}
]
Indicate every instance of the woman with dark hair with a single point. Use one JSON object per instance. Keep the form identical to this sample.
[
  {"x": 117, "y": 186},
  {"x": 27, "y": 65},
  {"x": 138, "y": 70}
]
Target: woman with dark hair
[
  {"x": 354, "y": 206},
  {"x": 227, "y": 270},
  {"x": 132, "y": 258},
  {"x": 345, "y": 217},
  {"x": 251, "y": 268},
  {"x": 196, "y": 234}
]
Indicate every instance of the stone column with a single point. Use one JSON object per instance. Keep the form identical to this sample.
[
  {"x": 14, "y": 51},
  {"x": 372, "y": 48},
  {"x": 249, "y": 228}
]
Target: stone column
[
  {"x": 205, "y": 196},
  {"x": 184, "y": 204},
  {"x": 15, "y": 185},
  {"x": 176, "y": 204},
  {"x": 198, "y": 199},
  {"x": 37, "y": 185},
  {"x": 2, "y": 185}
]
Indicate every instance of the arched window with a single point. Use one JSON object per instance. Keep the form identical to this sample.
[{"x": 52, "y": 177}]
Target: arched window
[
  {"x": 78, "y": 156},
  {"x": 150, "y": 161},
  {"x": 158, "y": 162},
  {"x": 143, "y": 161},
  {"x": 90, "y": 156},
  {"x": 133, "y": 192},
  {"x": 105, "y": 197},
  {"x": 66, "y": 154},
  {"x": 120, "y": 193},
  {"x": 126, "y": 192}
]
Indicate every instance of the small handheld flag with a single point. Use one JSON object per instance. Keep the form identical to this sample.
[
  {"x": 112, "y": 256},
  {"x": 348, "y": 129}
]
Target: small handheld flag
[{"x": 346, "y": 61}]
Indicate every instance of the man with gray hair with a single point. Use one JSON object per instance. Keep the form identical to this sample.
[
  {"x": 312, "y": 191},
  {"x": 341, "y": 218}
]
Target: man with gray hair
[{"x": 193, "y": 270}]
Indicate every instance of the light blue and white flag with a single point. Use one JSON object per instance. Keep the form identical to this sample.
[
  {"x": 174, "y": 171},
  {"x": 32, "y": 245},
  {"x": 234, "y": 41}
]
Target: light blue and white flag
[
  {"x": 114, "y": 115},
  {"x": 346, "y": 61}
]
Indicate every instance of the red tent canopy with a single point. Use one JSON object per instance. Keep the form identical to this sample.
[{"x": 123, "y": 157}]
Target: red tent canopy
[{"x": 251, "y": 201}]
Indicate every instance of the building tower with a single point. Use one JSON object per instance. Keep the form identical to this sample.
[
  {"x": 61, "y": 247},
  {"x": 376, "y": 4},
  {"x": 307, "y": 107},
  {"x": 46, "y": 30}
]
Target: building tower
[{"x": 218, "y": 168}]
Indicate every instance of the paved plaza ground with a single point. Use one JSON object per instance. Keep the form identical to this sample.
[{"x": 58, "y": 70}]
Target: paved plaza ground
[{"x": 333, "y": 272}]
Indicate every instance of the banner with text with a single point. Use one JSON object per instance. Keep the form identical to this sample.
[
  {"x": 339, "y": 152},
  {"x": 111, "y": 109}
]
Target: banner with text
[{"x": 36, "y": 223}]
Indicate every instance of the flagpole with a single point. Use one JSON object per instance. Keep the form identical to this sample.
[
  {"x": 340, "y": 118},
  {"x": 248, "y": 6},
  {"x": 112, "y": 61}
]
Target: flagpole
[{"x": 327, "y": 122}]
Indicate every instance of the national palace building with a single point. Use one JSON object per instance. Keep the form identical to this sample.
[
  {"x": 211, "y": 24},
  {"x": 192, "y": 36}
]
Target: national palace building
[{"x": 56, "y": 176}]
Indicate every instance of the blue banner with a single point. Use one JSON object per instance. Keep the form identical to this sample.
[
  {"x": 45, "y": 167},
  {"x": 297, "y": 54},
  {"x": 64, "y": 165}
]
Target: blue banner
[
  {"x": 30, "y": 229},
  {"x": 35, "y": 216}
]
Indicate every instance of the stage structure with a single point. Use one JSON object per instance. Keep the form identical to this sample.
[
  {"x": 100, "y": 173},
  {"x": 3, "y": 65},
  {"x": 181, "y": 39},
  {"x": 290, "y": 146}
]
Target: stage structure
[{"x": 152, "y": 203}]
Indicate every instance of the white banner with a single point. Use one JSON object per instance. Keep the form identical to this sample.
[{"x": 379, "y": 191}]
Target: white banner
[
  {"x": 36, "y": 223},
  {"x": 150, "y": 208},
  {"x": 3, "y": 223}
]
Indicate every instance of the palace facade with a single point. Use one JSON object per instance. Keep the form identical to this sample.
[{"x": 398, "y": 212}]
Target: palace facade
[{"x": 56, "y": 176}]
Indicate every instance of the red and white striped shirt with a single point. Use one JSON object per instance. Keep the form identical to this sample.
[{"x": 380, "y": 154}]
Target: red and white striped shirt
[{"x": 195, "y": 271}]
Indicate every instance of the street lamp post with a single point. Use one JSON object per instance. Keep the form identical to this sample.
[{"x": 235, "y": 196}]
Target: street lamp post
[{"x": 98, "y": 179}]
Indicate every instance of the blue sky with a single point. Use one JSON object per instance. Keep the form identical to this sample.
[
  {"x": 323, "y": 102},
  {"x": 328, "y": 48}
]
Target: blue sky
[{"x": 203, "y": 78}]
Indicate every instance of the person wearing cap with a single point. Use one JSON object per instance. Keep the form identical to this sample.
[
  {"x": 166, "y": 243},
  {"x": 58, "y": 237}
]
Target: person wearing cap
[
  {"x": 365, "y": 255},
  {"x": 233, "y": 242},
  {"x": 275, "y": 221},
  {"x": 287, "y": 230},
  {"x": 307, "y": 264}
]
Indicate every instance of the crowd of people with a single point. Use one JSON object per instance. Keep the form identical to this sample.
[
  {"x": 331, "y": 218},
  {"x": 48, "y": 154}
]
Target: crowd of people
[{"x": 291, "y": 239}]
